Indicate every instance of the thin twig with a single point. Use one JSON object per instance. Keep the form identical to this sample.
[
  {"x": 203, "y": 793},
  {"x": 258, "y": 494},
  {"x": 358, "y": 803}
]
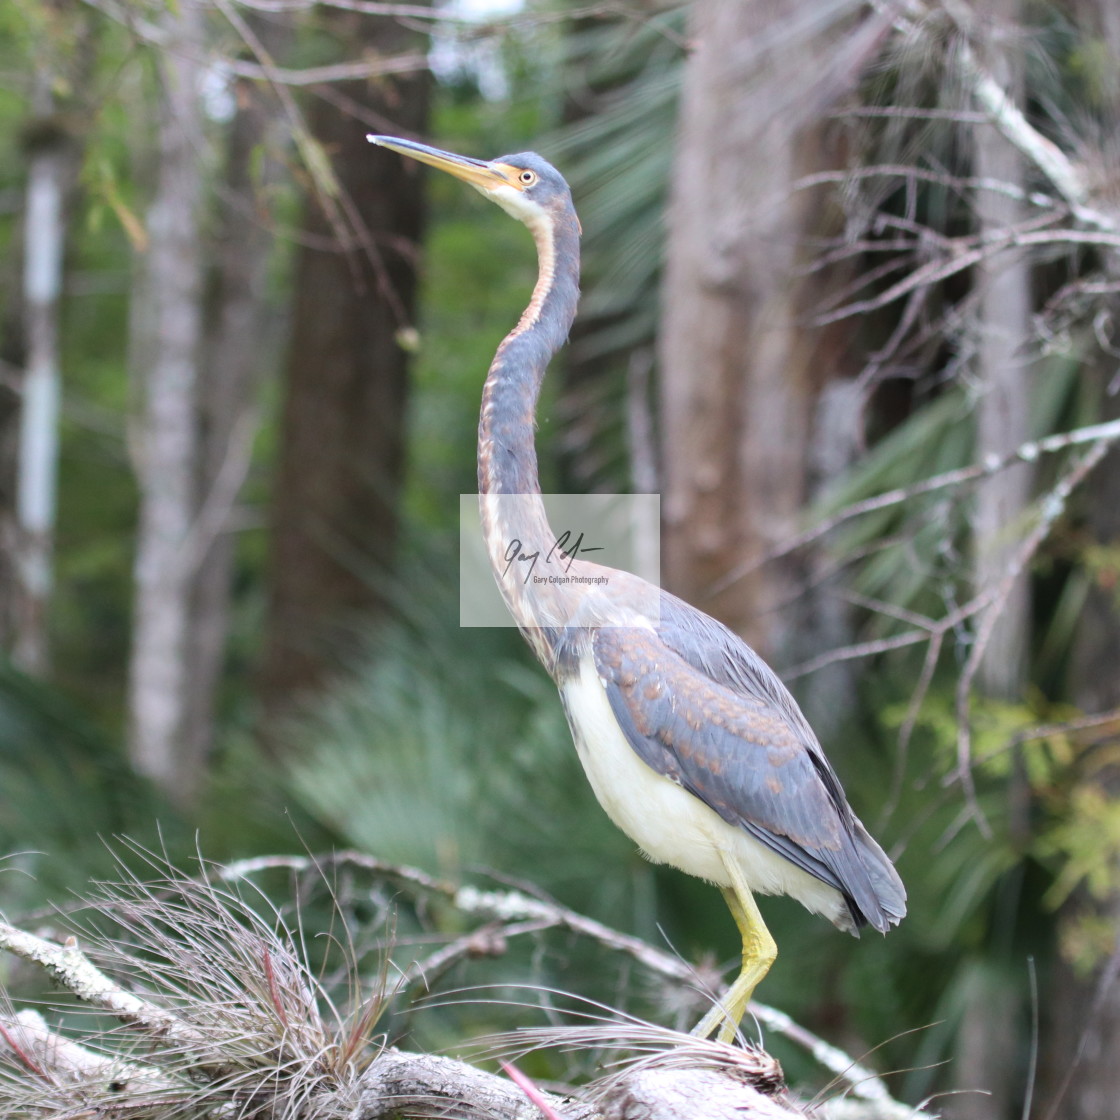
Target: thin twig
[
  {"x": 522, "y": 913},
  {"x": 412, "y": 62},
  {"x": 1065, "y": 727},
  {"x": 77, "y": 974},
  {"x": 1107, "y": 433},
  {"x": 855, "y": 651},
  {"x": 1052, "y": 507},
  {"x": 965, "y": 184},
  {"x": 968, "y": 252}
]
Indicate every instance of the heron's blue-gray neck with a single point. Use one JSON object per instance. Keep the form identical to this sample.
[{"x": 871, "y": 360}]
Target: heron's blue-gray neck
[{"x": 507, "y": 454}]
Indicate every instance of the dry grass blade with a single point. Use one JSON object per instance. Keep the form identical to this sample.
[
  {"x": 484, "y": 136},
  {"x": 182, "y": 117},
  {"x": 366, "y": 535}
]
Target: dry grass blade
[
  {"x": 219, "y": 1013},
  {"x": 621, "y": 1043}
]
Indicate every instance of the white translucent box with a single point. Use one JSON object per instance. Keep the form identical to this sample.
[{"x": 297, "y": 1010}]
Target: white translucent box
[{"x": 617, "y": 532}]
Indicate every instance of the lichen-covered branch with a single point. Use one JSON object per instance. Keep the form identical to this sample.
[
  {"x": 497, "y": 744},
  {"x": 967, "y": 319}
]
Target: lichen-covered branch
[
  {"x": 78, "y": 975},
  {"x": 517, "y": 913},
  {"x": 228, "y": 1019}
]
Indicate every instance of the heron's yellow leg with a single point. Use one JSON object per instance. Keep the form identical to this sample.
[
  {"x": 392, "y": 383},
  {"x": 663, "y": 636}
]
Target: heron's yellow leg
[{"x": 759, "y": 951}]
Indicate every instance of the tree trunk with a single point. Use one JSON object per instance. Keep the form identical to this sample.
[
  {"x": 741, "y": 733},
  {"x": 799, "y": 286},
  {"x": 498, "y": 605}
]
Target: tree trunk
[
  {"x": 1080, "y": 1073},
  {"x": 739, "y": 369},
  {"x": 53, "y": 161},
  {"x": 982, "y": 1070},
  {"x": 335, "y": 503},
  {"x": 167, "y": 318},
  {"x": 1003, "y": 371},
  {"x": 237, "y": 346},
  {"x": 49, "y": 175}
]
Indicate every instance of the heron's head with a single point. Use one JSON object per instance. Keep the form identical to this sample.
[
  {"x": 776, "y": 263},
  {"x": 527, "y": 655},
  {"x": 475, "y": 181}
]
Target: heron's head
[{"x": 524, "y": 185}]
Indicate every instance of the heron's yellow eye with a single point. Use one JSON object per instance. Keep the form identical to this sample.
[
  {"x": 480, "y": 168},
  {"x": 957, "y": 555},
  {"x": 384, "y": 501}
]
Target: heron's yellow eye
[{"x": 528, "y": 178}]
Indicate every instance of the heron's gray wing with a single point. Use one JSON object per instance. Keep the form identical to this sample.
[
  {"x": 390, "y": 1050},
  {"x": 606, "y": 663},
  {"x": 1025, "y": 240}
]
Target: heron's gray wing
[
  {"x": 722, "y": 656},
  {"x": 740, "y": 753}
]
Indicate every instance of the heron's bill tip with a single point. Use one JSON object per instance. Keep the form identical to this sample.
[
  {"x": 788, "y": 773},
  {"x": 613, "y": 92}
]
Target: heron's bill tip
[{"x": 485, "y": 176}]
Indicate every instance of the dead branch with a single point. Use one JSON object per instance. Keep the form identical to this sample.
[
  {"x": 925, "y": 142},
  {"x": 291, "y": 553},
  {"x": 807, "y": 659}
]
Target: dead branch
[
  {"x": 365, "y": 68},
  {"x": 1051, "y": 508},
  {"x": 1107, "y": 433},
  {"x": 77, "y": 974},
  {"x": 254, "y": 988},
  {"x": 1067, "y": 178},
  {"x": 669, "y": 1094},
  {"x": 966, "y": 253},
  {"x": 514, "y": 913},
  {"x": 910, "y": 172}
]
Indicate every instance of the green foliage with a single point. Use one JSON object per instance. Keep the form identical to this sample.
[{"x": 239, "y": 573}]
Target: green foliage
[
  {"x": 622, "y": 81},
  {"x": 618, "y": 160},
  {"x": 66, "y": 790},
  {"x": 913, "y": 553},
  {"x": 1046, "y": 768},
  {"x": 445, "y": 750},
  {"x": 1085, "y": 843}
]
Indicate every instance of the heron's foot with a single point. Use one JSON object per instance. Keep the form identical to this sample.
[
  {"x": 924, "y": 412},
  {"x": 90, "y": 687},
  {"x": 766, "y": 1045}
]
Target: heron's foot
[
  {"x": 720, "y": 1017},
  {"x": 728, "y": 1013},
  {"x": 759, "y": 953}
]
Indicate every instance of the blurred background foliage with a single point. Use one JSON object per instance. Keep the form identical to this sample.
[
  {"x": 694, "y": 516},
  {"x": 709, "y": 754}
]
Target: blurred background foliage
[{"x": 446, "y": 749}]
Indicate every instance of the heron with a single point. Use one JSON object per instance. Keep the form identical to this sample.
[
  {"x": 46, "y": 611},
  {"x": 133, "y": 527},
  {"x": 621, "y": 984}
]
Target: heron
[{"x": 691, "y": 743}]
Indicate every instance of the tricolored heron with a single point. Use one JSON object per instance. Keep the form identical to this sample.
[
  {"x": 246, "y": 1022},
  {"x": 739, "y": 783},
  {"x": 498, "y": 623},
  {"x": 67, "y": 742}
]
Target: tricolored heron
[{"x": 691, "y": 743}]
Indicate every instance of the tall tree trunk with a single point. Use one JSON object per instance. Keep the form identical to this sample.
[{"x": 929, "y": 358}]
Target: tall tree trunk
[
  {"x": 237, "y": 345},
  {"x": 1003, "y": 370},
  {"x": 53, "y": 161},
  {"x": 335, "y": 502},
  {"x": 739, "y": 370},
  {"x": 167, "y": 317},
  {"x": 986, "y": 1041},
  {"x": 50, "y": 171},
  {"x": 1080, "y": 1073}
]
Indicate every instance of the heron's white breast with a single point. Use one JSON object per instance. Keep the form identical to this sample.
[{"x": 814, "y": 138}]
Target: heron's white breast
[{"x": 668, "y": 823}]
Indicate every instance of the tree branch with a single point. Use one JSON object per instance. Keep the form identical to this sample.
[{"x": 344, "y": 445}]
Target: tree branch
[
  {"x": 1107, "y": 433},
  {"x": 517, "y": 913},
  {"x": 286, "y": 1075},
  {"x": 77, "y": 974}
]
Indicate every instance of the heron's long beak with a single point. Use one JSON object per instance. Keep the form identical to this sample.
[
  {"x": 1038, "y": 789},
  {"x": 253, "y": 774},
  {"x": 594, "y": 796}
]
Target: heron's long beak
[{"x": 484, "y": 176}]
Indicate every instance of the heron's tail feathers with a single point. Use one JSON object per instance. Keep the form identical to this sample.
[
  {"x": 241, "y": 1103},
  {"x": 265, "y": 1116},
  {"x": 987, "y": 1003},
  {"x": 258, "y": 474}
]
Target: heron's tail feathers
[{"x": 883, "y": 903}]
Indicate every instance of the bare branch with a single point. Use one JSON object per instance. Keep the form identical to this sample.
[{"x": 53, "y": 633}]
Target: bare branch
[
  {"x": 77, "y": 974},
  {"x": 277, "y": 1067},
  {"x": 964, "y": 184},
  {"x": 1106, "y": 433},
  {"x": 1109, "y": 720},
  {"x": 855, "y": 652},
  {"x": 912, "y": 112},
  {"x": 968, "y": 252},
  {"x": 523, "y": 913},
  {"x": 1051, "y": 508},
  {"x": 1106, "y": 722},
  {"x": 408, "y": 63},
  {"x": 1068, "y": 179}
]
